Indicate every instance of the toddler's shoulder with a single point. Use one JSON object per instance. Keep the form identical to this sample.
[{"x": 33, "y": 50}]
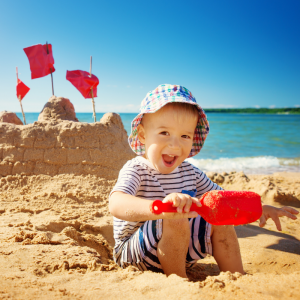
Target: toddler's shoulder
[
  {"x": 187, "y": 166},
  {"x": 136, "y": 165}
]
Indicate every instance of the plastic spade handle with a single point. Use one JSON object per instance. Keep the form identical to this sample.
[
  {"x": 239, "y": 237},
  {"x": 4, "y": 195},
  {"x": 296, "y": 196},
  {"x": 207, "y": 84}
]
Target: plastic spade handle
[
  {"x": 158, "y": 207},
  {"x": 221, "y": 207}
]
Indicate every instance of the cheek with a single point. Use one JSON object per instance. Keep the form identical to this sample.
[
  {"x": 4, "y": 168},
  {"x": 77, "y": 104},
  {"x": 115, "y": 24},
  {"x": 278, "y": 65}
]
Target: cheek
[
  {"x": 152, "y": 149},
  {"x": 188, "y": 147}
]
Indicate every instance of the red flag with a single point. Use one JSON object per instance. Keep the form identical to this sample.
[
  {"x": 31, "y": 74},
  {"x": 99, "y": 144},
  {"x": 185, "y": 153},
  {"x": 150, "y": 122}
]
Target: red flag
[
  {"x": 83, "y": 82},
  {"x": 22, "y": 89},
  {"x": 40, "y": 60}
]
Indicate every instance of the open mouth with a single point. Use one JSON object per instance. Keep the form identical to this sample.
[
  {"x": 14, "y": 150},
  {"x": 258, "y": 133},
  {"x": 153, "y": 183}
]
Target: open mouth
[{"x": 169, "y": 160}]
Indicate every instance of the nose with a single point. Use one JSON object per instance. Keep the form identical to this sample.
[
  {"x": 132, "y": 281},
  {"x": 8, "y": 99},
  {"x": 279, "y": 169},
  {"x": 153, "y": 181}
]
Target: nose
[{"x": 174, "y": 143}]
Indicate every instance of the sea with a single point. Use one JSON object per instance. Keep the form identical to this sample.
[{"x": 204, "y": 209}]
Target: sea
[{"x": 252, "y": 143}]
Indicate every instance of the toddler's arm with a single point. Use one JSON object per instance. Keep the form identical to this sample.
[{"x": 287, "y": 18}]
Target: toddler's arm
[
  {"x": 275, "y": 213},
  {"x": 130, "y": 208}
]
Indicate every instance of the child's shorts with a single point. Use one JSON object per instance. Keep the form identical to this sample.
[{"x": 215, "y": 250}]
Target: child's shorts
[{"x": 140, "y": 250}]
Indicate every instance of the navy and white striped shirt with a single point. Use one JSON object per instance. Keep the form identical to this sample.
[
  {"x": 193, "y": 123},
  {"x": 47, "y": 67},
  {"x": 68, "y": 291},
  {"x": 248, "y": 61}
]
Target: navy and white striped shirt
[{"x": 139, "y": 178}]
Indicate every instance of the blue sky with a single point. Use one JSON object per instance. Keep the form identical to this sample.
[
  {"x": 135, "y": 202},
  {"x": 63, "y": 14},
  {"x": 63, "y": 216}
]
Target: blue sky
[{"x": 228, "y": 53}]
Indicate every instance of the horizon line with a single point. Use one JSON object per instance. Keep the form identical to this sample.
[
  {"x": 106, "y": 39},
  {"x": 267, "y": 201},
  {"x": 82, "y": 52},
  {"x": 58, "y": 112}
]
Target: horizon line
[{"x": 133, "y": 112}]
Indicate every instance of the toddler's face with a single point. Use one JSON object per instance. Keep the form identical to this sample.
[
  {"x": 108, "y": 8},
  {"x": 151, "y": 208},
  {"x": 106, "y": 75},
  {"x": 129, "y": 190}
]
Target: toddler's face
[{"x": 168, "y": 137}]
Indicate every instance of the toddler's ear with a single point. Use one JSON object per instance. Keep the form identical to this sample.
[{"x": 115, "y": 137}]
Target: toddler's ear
[{"x": 141, "y": 133}]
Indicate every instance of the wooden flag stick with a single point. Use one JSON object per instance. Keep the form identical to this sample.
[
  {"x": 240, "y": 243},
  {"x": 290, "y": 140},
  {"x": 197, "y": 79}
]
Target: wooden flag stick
[
  {"x": 50, "y": 72},
  {"x": 93, "y": 102},
  {"x": 19, "y": 98},
  {"x": 22, "y": 109}
]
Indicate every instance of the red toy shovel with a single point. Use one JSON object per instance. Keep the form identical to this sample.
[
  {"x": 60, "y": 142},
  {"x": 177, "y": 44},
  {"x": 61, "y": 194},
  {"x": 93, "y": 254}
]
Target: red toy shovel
[{"x": 221, "y": 207}]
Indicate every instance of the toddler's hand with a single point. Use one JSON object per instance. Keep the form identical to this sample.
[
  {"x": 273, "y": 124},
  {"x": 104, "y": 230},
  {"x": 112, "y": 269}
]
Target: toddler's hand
[
  {"x": 275, "y": 213},
  {"x": 183, "y": 203}
]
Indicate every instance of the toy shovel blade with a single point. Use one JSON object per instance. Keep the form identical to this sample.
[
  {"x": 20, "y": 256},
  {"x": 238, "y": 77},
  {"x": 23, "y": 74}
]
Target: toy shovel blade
[{"x": 221, "y": 207}]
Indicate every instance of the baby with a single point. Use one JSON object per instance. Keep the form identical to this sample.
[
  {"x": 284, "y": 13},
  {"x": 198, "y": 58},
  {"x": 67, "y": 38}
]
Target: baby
[{"x": 171, "y": 127}]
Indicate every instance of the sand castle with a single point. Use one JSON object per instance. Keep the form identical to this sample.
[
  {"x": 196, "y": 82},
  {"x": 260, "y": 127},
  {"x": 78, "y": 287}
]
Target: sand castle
[{"x": 59, "y": 144}]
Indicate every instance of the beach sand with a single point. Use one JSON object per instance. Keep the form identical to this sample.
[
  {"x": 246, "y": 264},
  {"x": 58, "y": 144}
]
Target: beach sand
[
  {"x": 56, "y": 242},
  {"x": 56, "y": 233}
]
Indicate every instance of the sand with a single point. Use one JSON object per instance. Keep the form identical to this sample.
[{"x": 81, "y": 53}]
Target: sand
[
  {"x": 56, "y": 233},
  {"x": 56, "y": 242}
]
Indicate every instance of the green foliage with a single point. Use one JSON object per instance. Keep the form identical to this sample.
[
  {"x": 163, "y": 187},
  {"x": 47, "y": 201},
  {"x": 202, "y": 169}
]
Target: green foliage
[{"x": 287, "y": 110}]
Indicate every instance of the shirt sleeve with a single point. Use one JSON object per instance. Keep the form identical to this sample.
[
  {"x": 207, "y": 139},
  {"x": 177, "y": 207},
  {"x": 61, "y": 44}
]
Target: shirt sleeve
[
  {"x": 203, "y": 183},
  {"x": 129, "y": 181}
]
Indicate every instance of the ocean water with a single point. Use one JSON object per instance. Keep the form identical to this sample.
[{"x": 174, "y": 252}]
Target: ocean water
[{"x": 253, "y": 143}]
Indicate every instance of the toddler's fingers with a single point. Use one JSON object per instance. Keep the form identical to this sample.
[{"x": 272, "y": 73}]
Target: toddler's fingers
[
  {"x": 183, "y": 203},
  {"x": 174, "y": 199},
  {"x": 288, "y": 212},
  {"x": 277, "y": 223},
  {"x": 291, "y": 211},
  {"x": 188, "y": 204},
  {"x": 196, "y": 201},
  {"x": 262, "y": 221}
]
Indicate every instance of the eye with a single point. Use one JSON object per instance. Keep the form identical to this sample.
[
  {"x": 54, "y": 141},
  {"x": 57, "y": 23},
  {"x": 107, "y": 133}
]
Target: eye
[
  {"x": 186, "y": 136},
  {"x": 164, "y": 133}
]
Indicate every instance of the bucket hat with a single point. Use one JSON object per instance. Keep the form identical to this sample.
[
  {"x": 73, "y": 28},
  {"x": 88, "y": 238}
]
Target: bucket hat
[{"x": 155, "y": 100}]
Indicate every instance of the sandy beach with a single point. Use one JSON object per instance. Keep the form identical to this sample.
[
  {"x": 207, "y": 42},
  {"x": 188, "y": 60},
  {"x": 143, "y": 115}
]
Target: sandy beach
[
  {"x": 56, "y": 235},
  {"x": 56, "y": 243}
]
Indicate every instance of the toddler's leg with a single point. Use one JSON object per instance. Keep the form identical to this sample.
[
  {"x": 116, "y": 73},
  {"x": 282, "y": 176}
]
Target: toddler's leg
[
  {"x": 173, "y": 246},
  {"x": 226, "y": 250}
]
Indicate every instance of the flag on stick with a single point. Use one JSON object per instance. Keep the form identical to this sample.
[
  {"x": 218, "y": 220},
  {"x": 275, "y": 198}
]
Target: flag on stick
[
  {"x": 83, "y": 82},
  {"x": 22, "y": 90},
  {"x": 41, "y": 61},
  {"x": 86, "y": 83}
]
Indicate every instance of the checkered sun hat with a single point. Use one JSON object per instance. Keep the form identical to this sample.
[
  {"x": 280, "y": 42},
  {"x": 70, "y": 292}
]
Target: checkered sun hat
[{"x": 155, "y": 100}]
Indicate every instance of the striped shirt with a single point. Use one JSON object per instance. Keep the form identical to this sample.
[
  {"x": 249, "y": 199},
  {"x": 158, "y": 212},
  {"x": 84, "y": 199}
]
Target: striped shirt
[{"x": 139, "y": 178}]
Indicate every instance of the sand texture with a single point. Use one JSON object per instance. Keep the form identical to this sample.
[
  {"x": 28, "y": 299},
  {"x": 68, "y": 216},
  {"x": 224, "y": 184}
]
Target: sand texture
[
  {"x": 58, "y": 109},
  {"x": 56, "y": 233},
  {"x": 10, "y": 117},
  {"x": 56, "y": 242},
  {"x": 65, "y": 147}
]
